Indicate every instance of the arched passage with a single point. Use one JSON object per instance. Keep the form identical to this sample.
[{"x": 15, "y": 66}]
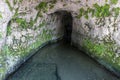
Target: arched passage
[
  {"x": 66, "y": 23},
  {"x": 48, "y": 60}
]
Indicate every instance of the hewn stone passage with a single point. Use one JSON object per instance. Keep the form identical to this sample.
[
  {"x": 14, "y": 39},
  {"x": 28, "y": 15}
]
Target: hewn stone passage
[
  {"x": 70, "y": 62},
  {"x": 66, "y": 22},
  {"x": 27, "y": 24}
]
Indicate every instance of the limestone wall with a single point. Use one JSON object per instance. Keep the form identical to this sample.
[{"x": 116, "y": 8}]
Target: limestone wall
[
  {"x": 24, "y": 26},
  {"x": 96, "y": 30}
]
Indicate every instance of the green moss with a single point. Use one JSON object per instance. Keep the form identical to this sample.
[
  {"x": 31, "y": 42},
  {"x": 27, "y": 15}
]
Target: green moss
[
  {"x": 94, "y": 48},
  {"x": 114, "y": 1},
  {"x": 116, "y": 11},
  {"x": 15, "y": 15},
  {"x": 1, "y": 15},
  {"x": 42, "y": 24},
  {"x": 81, "y": 12},
  {"x": 21, "y": 51},
  {"x": 20, "y": 1},
  {"x": 45, "y": 36},
  {"x": 85, "y": 13},
  {"x": 89, "y": 10},
  {"x": 36, "y": 18},
  {"x": 53, "y": 1},
  {"x": 98, "y": 11},
  {"x": 22, "y": 23},
  {"x": 106, "y": 0},
  {"x": 6, "y": 50},
  {"x": 14, "y": 2},
  {"x": 51, "y": 6},
  {"x": 41, "y": 6},
  {"x": 17, "y": 1},
  {"x": 102, "y": 51},
  {"x": 2, "y": 72},
  {"x": 9, "y": 30},
  {"x": 24, "y": 51},
  {"x": 102, "y": 11},
  {"x": 39, "y": 14},
  {"x": 9, "y": 5},
  {"x": 31, "y": 23},
  {"x": 1, "y": 35}
]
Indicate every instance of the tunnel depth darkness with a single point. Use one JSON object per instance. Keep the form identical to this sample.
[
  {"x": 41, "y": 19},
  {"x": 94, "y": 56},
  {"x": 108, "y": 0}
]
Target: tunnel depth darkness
[{"x": 67, "y": 22}]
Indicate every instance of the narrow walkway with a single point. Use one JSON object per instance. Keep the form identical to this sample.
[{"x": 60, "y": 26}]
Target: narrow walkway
[{"x": 61, "y": 62}]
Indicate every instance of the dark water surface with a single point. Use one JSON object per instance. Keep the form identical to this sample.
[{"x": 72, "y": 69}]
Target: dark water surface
[{"x": 61, "y": 62}]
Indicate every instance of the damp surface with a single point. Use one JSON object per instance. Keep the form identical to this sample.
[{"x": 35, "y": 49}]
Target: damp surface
[{"x": 61, "y": 62}]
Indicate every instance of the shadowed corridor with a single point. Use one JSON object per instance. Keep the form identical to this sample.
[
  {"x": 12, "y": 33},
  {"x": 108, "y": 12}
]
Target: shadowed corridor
[{"x": 61, "y": 61}]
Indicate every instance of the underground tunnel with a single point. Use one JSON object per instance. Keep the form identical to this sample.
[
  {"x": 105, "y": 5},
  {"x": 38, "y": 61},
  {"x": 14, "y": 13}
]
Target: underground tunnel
[
  {"x": 66, "y": 22},
  {"x": 59, "y": 40},
  {"x": 64, "y": 62}
]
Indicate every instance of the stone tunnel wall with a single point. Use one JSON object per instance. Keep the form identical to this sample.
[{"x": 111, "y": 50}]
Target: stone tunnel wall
[
  {"x": 26, "y": 24},
  {"x": 96, "y": 30}
]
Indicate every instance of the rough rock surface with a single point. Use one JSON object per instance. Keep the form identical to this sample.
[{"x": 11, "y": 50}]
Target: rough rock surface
[{"x": 26, "y": 24}]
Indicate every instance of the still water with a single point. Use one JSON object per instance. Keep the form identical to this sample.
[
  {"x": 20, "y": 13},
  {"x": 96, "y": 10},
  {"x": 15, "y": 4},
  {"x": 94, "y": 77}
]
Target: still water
[{"x": 61, "y": 61}]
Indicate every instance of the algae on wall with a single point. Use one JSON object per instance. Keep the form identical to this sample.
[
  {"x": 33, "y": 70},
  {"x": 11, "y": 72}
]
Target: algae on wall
[
  {"x": 29, "y": 27},
  {"x": 104, "y": 51},
  {"x": 24, "y": 33},
  {"x": 98, "y": 31}
]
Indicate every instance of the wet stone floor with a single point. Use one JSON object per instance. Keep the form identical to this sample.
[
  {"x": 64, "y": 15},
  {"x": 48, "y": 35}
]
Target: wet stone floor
[{"x": 61, "y": 62}]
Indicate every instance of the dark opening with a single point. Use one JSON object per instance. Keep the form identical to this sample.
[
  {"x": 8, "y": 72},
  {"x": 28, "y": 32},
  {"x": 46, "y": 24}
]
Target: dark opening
[{"x": 67, "y": 22}]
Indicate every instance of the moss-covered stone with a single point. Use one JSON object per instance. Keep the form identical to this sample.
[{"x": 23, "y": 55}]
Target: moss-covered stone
[
  {"x": 9, "y": 30},
  {"x": 116, "y": 11},
  {"x": 103, "y": 51},
  {"x": 96, "y": 11},
  {"x": 102, "y": 11},
  {"x": 42, "y": 7},
  {"x": 114, "y": 1},
  {"x": 9, "y": 5},
  {"x": 0, "y": 15},
  {"x": 0, "y": 35}
]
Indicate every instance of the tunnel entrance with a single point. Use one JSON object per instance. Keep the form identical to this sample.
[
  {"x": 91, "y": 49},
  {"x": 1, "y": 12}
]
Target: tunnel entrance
[
  {"x": 66, "y": 23},
  {"x": 46, "y": 63}
]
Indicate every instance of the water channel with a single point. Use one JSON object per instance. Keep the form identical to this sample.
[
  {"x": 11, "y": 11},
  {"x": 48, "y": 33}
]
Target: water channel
[{"x": 60, "y": 61}]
